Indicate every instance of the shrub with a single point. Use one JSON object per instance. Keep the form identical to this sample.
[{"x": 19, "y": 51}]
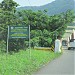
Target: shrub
[
  {"x": 2, "y": 46},
  {"x": 16, "y": 44},
  {"x": 35, "y": 42},
  {"x": 45, "y": 41}
]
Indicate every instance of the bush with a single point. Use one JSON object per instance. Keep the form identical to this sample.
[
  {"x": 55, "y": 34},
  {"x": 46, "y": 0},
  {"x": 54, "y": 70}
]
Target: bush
[
  {"x": 26, "y": 44},
  {"x": 16, "y": 44},
  {"x": 45, "y": 41},
  {"x": 35, "y": 42},
  {"x": 36, "y": 33},
  {"x": 2, "y": 46}
]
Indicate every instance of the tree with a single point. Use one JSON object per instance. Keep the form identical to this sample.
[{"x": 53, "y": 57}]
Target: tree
[
  {"x": 69, "y": 16},
  {"x": 7, "y": 15}
]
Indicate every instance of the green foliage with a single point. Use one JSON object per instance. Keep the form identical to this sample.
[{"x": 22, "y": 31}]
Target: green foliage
[
  {"x": 20, "y": 63},
  {"x": 44, "y": 28},
  {"x": 36, "y": 33},
  {"x": 2, "y": 46},
  {"x": 7, "y": 15},
  {"x": 45, "y": 33},
  {"x": 45, "y": 41},
  {"x": 8, "y": 5},
  {"x": 49, "y": 40},
  {"x": 35, "y": 42},
  {"x": 16, "y": 44},
  {"x": 40, "y": 38}
]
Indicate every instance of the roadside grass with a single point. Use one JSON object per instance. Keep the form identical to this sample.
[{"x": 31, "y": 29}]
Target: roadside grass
[{"x": 21, "y": 64}]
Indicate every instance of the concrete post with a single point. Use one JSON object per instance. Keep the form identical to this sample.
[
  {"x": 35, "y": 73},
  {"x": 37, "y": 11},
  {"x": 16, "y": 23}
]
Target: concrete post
[{"x": 57, "y": 46}]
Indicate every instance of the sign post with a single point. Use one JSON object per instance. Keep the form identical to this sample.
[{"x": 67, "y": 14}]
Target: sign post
[
  {"x": 29, "y": 36},
  {"x": 18, "y": 32},
  {"x": 29, "y": 43},
  {"x": 8, "y": 40}
]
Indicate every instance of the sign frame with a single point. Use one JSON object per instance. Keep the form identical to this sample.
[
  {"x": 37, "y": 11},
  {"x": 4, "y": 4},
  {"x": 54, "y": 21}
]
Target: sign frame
[
  {"x": 27, "y": 33},
  {"x": 18, "y": 32}
]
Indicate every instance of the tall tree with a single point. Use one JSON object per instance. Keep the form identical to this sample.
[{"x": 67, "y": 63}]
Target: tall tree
[{"x": 7, "y": 15}]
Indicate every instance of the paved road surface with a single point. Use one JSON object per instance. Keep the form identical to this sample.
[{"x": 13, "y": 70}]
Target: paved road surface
[{"x": 64, "y": 65}]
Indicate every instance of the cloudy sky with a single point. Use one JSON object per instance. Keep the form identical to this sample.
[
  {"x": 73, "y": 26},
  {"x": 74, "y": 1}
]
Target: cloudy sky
[{"x": 32, "y": 2}]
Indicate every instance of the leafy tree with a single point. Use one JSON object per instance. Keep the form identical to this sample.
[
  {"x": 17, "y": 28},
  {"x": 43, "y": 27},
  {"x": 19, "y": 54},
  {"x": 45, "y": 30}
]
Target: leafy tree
[
  {"x": 69, "y": 16},
  {"x": 7, "y": 16}
]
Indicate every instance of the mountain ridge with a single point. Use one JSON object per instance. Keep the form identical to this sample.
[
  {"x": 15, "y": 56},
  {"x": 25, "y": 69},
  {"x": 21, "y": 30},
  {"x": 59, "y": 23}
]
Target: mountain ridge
[{"x": 55, "y": 7}]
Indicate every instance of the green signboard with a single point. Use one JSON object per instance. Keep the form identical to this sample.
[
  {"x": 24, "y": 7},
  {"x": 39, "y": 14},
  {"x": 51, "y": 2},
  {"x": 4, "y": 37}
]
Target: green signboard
[{"x": 18, "y": 32}]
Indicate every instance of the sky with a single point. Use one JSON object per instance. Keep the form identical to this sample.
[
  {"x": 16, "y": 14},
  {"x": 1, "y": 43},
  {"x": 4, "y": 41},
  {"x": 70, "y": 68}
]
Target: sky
[{"x": 32, "y": 2}]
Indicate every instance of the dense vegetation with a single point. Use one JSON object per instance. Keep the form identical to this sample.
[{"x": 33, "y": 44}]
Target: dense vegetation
[{"x": 44, "y": 28}]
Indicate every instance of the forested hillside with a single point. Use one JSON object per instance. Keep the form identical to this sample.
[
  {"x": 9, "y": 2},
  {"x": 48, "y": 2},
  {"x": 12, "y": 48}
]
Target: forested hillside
[{"x": 56, "y": 7}]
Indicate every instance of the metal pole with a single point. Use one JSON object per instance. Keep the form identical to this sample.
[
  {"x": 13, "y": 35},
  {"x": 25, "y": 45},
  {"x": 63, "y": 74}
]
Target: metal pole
[
  {"x": 7, "y": 39},
  {"x": 29, "y": 37},
  {"x": 29, "y": 44}
]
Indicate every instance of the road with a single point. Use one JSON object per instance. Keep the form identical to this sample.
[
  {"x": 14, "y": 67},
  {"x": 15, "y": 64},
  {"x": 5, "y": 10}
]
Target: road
[{"x": 64, "y": 65}]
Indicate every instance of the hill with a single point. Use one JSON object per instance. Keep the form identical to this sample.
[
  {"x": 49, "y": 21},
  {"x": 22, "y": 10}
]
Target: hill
[{"x": 56, "y": 7}]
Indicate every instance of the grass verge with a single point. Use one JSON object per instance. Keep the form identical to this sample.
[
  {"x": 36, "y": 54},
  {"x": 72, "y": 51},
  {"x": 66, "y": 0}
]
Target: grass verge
[{"x": 21, "y": 64}]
